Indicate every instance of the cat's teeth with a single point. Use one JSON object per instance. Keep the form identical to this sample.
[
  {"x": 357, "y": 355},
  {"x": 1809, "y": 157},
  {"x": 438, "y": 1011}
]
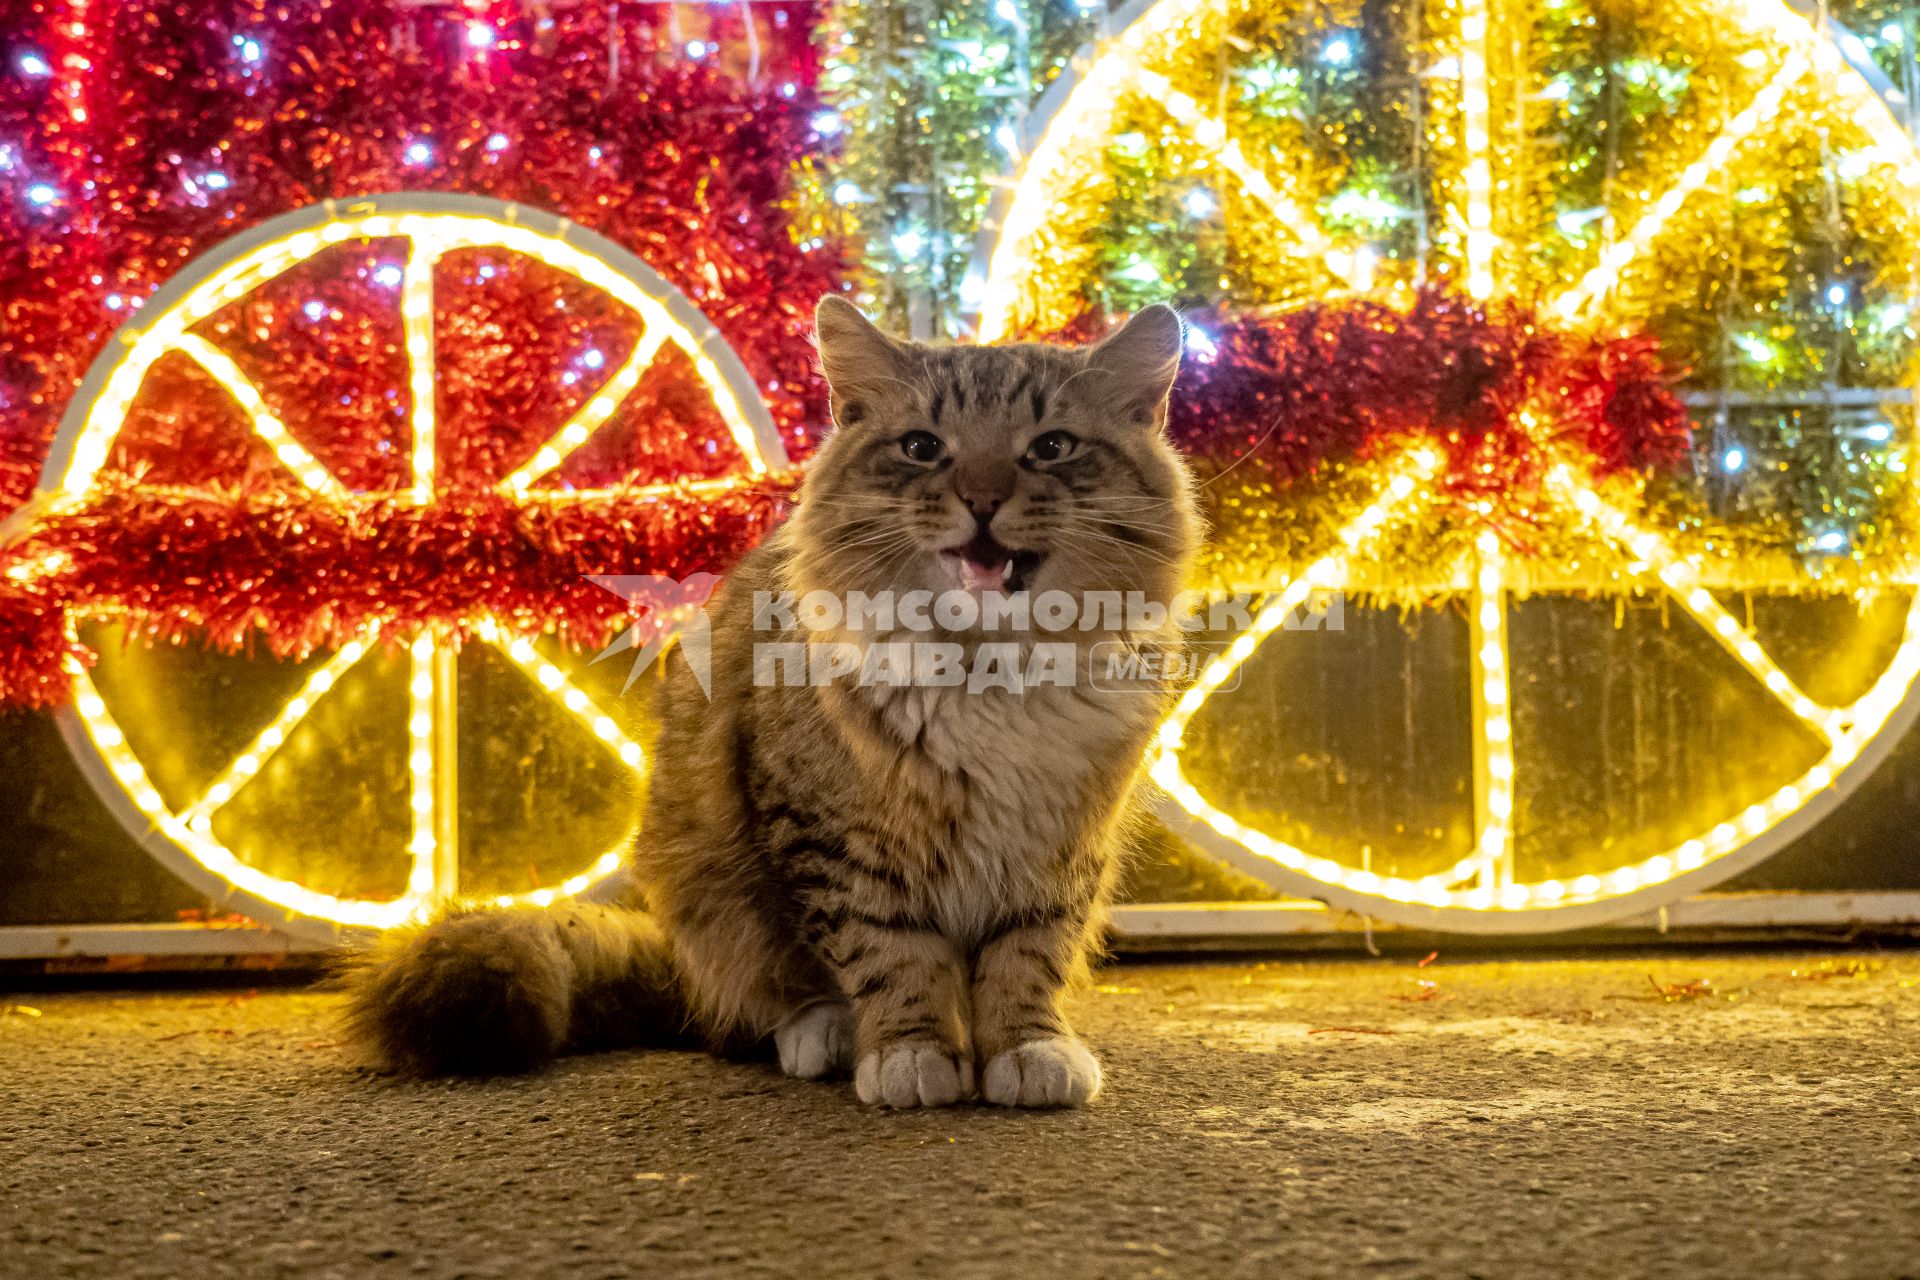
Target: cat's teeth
[{"x": 1006, "y": 571}]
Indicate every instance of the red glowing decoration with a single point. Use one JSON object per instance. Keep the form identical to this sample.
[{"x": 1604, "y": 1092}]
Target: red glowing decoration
[
  {"x": 170, "y": 127},
  {"x": 1336, "y": 381}
]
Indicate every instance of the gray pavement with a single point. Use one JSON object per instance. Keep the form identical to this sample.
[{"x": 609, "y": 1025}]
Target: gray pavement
[{"x": 1678, "y": 1114}]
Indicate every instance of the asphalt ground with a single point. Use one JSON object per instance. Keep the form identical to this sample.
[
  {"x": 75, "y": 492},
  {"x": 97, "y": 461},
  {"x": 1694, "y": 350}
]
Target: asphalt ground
[{"x": 1676, "y": 1114}]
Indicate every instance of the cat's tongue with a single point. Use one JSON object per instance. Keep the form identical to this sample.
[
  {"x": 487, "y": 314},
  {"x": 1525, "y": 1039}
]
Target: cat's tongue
[
  {"x": 980, "y": 578},
  {"x": 983, "y": 564}
]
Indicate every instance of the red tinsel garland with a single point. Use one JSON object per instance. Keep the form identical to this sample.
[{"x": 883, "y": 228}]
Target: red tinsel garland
[
  {"x": 294, "y": 575},
  {"x": 1337, "y": 381},
  {"x": 33, "y": 649},
  {"x": 1285, "y": 395}
]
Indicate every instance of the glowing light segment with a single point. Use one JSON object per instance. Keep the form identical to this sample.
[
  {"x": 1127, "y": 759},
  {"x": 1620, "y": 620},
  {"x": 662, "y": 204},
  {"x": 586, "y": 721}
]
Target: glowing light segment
[
  {"x": 432, "y": 225},
  {"x": 1616, "y": 257},
  {"x": 591, "y": 415},
  {"x": 190, "y": 828},
  {"x": 423, "y": 766},
  {"x": 1856, "y": 100},
  {"x": 1087, "y": 110},
  {"x": 416, "y": 315},
  {"x": 1211, "y": 134},
  {"x": 1478, "y": 173},
  {"x": 265, "y": 425},
  {"x": 107, "y": 738},
  {"x": 1682, "y": 579},
  {"x": 442, "y": 231},
  {"x": 1848, "y": 731},
  {"x": 1027, "y": 245},
  {"x": 1404, "y": 495},
  {"x": 1493, "y": 756},
  {"x": 244, "y": 766},
  {"x": 520, "y": 651}
]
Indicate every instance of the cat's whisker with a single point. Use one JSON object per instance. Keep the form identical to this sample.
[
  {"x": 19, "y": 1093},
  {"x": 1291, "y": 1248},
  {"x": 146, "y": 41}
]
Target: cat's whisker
[
  {"x": 831, "y": 499},
  {"x": 876, "y": 561},
  {"x": 1089, "y": 539},
  {"x": 1123, "y": 497},
  {"x": 887, "y": 538}
]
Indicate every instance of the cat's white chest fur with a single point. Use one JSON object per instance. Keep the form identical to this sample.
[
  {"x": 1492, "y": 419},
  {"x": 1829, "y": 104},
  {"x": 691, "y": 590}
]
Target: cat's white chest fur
[{"x": 1031, "y": 765}]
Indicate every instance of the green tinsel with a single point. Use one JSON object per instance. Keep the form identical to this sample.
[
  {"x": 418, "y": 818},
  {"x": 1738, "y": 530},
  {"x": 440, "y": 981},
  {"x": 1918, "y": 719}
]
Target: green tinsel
[{"x": 931, "y": 95}]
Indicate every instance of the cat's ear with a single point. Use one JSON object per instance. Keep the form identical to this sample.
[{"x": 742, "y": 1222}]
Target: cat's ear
[
  {"x": 860, "y": 362},
  {"x": 1133, "y": 369}
]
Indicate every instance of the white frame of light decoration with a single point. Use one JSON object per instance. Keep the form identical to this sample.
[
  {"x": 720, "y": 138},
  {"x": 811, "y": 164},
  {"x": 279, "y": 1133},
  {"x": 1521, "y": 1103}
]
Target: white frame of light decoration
[
  {"x": 1858, "y": 736},
  {"x": 181, "y": 840}
]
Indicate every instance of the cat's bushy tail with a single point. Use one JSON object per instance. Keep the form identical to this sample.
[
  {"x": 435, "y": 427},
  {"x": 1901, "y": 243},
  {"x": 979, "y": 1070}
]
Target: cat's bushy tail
[{"x": 485, "y": 992}]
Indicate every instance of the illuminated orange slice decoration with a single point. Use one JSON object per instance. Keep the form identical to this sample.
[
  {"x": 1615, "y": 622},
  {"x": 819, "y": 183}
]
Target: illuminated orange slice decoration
[
  {"x": 179, "y": 826},
  {"x": 1222, "y": 96}
]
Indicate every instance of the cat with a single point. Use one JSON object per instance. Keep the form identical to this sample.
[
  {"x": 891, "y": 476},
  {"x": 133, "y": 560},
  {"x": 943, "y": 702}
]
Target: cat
[{"x": 897, "y": 879}]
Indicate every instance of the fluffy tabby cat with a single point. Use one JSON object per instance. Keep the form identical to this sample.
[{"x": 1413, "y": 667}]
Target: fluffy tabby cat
[{"x": 893, "y": 881}]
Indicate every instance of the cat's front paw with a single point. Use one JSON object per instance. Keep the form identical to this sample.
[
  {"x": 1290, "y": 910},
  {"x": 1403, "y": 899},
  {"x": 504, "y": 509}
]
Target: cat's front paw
[
  {"x": 817, "y": 1041},
  {"x": 1055, "y": 1072},
  {"x": 913, "y": 1073}
]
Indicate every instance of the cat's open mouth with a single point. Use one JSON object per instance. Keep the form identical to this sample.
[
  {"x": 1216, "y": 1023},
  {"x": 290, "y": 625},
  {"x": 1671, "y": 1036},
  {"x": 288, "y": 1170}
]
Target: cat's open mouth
[{"x": 984, "y": 564}]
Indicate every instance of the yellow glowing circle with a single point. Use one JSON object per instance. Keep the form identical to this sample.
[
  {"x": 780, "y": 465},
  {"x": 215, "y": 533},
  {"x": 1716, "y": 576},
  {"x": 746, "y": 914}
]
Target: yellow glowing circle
[
  {"x": 1020, "y": 261},
  {"x": 431, "y": 225}
]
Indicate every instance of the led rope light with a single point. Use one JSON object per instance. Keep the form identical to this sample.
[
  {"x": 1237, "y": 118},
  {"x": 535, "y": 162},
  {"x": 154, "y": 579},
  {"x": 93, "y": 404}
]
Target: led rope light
[
  {"x": 590, "y": 416},
  {"x": 1493, "y": 773},
  {"x": 105, "y": 735},
  {"x": 1806, "y": 34},
  {"x": 191, "y": 828},
  {"x": 1068, "y": 146},
  {"x": 1808, "y": 49},
  {"x": 1404, "y": 495},
  {"x": 416, "y": 316},
  {"x": 1478, "y": 174},
  {"x": 520, "y": 651},
  {"x": 423, "y": 764},
  {"x": 1210, "y": 133},
  {"x": 269, "y": 740},
  {"x": 1065, "y": 143},
  {"x": 269, "y": 428},
  {"x": 1847, "y": 729},
  {"x": 444, "y": 230},
  {"x": 1087, "y": 109},
  {"x": 1684, "y": 581},
  {"x": 1616, "y": 257}
]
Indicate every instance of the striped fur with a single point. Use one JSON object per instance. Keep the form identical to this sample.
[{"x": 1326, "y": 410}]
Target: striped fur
[{"x": 897, "y": 881}]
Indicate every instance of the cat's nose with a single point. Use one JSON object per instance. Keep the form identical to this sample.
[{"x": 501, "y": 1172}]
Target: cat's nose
[
  {"x": 983, "y": 485},
  {"x": 982, "y": 502}
]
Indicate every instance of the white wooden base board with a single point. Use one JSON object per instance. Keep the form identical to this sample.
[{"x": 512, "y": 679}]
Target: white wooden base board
[
  {"x": 1162, "y": 926},
  {"x": 88, "y": 941},
  {"x": 1169, "y": 926}
]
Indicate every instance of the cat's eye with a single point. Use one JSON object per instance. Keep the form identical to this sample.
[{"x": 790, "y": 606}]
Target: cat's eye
[
  {"x": 922, "y": 446},
  {"x": 1052, "y": 446}
]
